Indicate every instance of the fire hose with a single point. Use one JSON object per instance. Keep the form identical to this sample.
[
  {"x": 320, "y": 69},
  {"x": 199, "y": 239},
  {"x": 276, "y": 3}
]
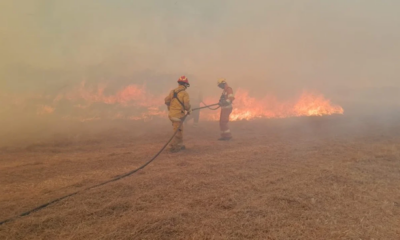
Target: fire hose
[
  {"x": 209, "y": 106},
  {"x": 113, "y": 179}
]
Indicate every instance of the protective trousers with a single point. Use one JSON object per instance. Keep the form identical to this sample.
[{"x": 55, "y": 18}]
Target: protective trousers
[
  {"x": 224, "y": 122},
  {"x": 177, "y": 142}
]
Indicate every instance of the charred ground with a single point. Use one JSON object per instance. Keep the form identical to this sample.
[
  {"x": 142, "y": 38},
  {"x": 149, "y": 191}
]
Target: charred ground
[{"x": 331, "y": 177}]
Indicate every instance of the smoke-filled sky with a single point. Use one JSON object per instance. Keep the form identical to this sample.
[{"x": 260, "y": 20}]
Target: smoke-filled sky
[{"x": 342, "y": 48}]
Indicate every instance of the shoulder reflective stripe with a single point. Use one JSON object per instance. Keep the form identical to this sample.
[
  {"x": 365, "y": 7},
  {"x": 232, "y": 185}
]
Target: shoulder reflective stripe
[{"x": 230, "y": 95}]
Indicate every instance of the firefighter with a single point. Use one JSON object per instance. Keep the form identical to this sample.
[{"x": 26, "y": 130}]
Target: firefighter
[
  {"x": 225, "y": 102},
  {"x": 178, "y": 103}
]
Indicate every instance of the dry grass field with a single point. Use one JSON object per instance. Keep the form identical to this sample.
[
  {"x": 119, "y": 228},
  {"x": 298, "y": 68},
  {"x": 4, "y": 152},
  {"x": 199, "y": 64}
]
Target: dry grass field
[{"x": 334, "y": 177}]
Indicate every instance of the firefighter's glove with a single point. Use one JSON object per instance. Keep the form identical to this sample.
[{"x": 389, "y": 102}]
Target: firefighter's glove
[{"x": 189, "y": 112}]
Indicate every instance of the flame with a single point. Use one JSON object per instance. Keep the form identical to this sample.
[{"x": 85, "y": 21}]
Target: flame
[
  {"x": 247, "y": 108},
  {"x": 134, "y": 102},
  {"x": 315, "y": 105},
  {"x": 132, "y": 99}
]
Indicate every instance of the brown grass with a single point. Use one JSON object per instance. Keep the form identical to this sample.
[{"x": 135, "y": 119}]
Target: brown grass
[{"x": 311, "y": 178}]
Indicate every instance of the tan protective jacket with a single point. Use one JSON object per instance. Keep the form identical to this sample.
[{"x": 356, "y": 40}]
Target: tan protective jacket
[{"x": 178, "y": 105}]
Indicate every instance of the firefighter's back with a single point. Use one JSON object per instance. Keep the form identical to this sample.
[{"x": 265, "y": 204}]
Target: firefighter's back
[{"x": 179, "y": 99}]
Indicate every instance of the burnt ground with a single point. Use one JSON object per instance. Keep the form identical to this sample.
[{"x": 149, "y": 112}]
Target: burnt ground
[{"x": 332, "y": 177}]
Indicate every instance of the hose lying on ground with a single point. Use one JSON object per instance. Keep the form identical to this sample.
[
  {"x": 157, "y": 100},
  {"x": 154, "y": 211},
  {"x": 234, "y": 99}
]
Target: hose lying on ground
[{"x": 108, "y": 181}]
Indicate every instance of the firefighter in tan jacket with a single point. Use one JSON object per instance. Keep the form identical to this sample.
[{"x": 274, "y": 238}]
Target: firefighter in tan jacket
[
  {"x": 225, "y": 102},
  {"x": 178, "y": 103}
]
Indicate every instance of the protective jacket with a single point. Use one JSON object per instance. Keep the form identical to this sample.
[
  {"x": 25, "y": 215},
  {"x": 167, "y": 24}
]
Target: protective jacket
[
  {"x": 227, "y": 97},
  {"x": 178, "y": 101}
]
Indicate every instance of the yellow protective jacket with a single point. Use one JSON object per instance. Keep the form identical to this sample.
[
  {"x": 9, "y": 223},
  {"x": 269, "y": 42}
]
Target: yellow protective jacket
[{"x": 177, "y": 109}]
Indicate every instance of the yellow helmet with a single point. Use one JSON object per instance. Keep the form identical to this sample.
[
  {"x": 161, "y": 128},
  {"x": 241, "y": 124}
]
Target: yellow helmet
[{"x": 221, "y": 80}]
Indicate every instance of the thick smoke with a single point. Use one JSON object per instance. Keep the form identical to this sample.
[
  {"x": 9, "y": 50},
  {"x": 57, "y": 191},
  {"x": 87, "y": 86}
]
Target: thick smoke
[{"x": 347, "y": 50}]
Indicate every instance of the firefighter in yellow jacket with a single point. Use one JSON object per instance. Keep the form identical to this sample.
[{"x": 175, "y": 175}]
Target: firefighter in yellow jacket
[{"x": 178, "y": 103}]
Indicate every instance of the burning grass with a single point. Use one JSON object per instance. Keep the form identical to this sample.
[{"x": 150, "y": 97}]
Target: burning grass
[
  {"x": 303, "y": 178},
  {"x": 134, "y": 102}
]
